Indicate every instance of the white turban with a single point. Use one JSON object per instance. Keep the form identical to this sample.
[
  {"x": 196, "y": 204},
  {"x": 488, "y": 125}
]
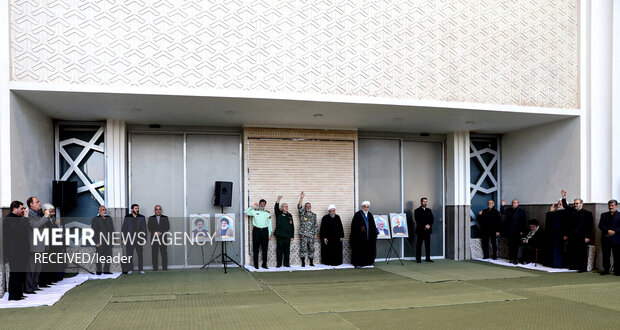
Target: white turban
[
  {"x": 366, "y": 203},
  {"x": 331, "y": 206}
]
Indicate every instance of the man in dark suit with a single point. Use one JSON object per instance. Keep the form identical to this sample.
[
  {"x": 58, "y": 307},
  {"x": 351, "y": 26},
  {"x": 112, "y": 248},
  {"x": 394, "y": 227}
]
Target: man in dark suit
[
  {"x": 516, "y": 226},
  {"x": 609, "y": 220},
  {"x": 134, "y": 232},
  {"x": 424, "y": 228},
  {"x": 16, "y": 248},
  {"x": 159, "y": 225},
  {"x": 103, "y": 226},
  {"x": 579, "y": 233},
  {"x": 490, "y": 222}
]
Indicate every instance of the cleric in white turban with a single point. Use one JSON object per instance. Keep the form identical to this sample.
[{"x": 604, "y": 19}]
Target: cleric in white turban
[
  {"x": 363, "y": 237},
  {"x": 332, "y": 235}
]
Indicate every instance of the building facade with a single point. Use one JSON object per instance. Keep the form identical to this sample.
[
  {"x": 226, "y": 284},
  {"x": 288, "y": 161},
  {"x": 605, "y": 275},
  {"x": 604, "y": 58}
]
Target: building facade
[{"x": 151, "y": 102}]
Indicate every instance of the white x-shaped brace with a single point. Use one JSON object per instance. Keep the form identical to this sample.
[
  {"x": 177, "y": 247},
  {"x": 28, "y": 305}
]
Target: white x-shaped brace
[
  {"x": 74, "y": 164},
  {"x": 487, "y": 173}
]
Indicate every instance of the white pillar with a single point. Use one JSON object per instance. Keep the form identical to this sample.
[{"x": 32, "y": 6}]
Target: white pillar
[
  {"x": 458, "y": 192},
  {"x": 5, "y": 110},
  {"x": 116, "y": 164},
  {"x": 615, "y": 102},
  {"x": 596, "y": 101}
]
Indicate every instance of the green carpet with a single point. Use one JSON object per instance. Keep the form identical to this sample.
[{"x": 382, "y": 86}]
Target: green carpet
[
  {"x": 605, "y": 295},
  {"x": 362, "y": 298},
  {"x": 73, "y": 311},
  {"x": 241, "y": 310},
  {"x": 186, "y": 282},
  {"x": 326, "y": 276},
  {"x": 155, "y": 297},
  {"x": 537, "y": 312},
  {"x": 339, "y": 297},
  {"x": 545, "y": 280},
  {"x": 448, "y": 270}
]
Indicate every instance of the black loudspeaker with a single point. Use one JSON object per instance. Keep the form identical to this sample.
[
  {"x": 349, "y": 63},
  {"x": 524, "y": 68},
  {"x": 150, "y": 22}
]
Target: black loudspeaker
[
  {"x": 223, "y": 193},
  {"x": 64, "y": 194}
]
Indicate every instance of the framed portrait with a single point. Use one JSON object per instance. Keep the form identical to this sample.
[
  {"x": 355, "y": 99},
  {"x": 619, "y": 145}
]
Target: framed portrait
[
  {"x": 398, "y": 222},
  {"x": 199, "y": 227},
  {"x": 225, "y": 227},
  {"x": 383, "y": 226}
]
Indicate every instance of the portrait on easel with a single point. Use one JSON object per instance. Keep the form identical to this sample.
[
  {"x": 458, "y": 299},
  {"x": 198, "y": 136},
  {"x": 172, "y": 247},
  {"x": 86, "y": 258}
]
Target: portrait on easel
[
  {"x": 383, "y": 228},
  {"x": 199, "y": 223},
  {"x": 225, "y": 227},
  {"x": 399, "y": 225}
]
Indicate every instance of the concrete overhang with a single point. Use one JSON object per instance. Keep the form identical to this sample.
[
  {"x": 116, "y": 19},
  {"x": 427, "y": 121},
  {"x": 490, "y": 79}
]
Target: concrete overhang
[{"x": 255, "y": 109}]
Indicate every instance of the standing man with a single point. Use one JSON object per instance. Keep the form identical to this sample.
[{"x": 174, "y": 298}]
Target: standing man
[
  {"x": 103, "y": 226},
  {"x": 516, "y": 226},
  {"x": 490, "y": 222},
  {"x": 555, "y": 229},
  {"x": 308, "y": 230},
  {"x": 285, "y": 231},
  {"x": 363, "y": 237},
  {"x": 159, "y": 225},
  {"x": 134, "y": 229},
  {"x": 34, "y": 222},
  {"x": 55, "y": 270},
  {"x": 609, "y": 221},
  {"x": 332, "y": 236},
  {"x": 16, "y": 249},
  {"x": 261, "y": 230},
  {"x": 579, "y": 233},
  {"x": 424, "y": 228}
]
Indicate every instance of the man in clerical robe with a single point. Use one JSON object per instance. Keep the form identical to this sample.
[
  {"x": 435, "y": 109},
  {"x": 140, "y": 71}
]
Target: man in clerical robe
[
  {"x": 332, "y": 235},
  {"x": 363, "y": 237}
]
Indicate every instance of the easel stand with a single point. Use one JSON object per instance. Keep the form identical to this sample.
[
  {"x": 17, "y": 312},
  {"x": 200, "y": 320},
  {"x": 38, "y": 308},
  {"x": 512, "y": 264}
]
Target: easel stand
[
  {"x": 389, "y": 254},
  {"x": 189, "y": 251},
  {"x": 225, "y": 257}
]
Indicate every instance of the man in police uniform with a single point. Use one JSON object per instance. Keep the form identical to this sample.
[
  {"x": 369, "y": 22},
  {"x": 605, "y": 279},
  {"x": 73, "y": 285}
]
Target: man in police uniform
[
  {"x": 261, "y": 230},
  {"x": 284, "y": 233},
  {"x": 307, "y": 231}
]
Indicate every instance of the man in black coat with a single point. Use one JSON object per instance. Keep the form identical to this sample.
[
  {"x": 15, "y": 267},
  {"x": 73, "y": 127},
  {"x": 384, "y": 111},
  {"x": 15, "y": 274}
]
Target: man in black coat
[
  {"x": 516, "y": 226},
  {"x": 556, "y": 225},
  {"x": 134, "y": 225},
  {"x": 159, "y": 225},
  {"x": 16, "y": 248},
  {"x": 363, "y": 237},
  {"x": 606, "y": 225},
  {"x": 580, "y": 230},
  {"x": 103, "y": 226},
  {"x": 490, "y": 222},
  {"x": 285, "y": 232},
  {"x": 424, "y": 228}
]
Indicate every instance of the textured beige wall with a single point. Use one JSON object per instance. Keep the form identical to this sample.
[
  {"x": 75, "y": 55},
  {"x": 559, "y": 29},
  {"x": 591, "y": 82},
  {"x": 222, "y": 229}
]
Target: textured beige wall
[
  {"x": 287, "y": 161},
  {"x": 514, "y": 52}
]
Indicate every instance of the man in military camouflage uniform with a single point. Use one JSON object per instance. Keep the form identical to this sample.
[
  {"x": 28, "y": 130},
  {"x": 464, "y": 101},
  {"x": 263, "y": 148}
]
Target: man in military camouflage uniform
[{"x": 307, "y": 231}]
